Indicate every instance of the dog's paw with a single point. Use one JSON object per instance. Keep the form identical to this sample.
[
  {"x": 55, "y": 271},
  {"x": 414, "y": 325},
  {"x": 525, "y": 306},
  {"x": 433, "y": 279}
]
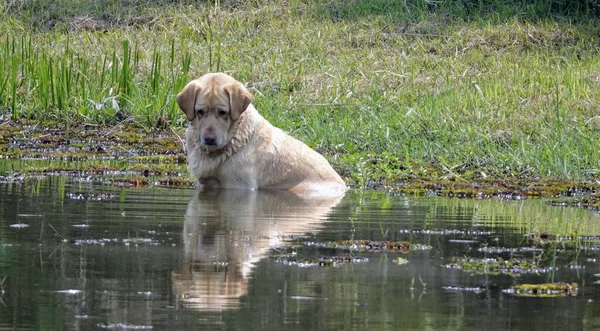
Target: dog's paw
[{"x": 209, "y": 184}]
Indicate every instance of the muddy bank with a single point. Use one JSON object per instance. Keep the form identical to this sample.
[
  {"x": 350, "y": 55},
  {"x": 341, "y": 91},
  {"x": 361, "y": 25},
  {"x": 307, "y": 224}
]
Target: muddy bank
[
  {"x": 131, "y": 156},
  {"x": 122, "y": 155}
]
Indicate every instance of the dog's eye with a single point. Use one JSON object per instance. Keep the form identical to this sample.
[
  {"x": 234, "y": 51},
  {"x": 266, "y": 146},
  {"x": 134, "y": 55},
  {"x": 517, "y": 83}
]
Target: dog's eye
[
  {"x": 222, "y": 112},
  {"x": 201, "y": 112}
]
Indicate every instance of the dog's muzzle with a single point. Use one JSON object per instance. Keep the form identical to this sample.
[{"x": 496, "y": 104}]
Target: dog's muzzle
[{"x": 209, "y": 139}]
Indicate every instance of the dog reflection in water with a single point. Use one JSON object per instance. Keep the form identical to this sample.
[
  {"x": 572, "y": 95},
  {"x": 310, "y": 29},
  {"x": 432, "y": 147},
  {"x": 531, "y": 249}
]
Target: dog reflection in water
[{"x": 227, "y": 232}]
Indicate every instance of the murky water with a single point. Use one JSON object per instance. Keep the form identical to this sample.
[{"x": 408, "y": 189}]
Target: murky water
[{"x": 81, "y": 256}]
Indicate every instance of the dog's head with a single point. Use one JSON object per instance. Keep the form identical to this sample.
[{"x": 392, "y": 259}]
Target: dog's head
[{"x": 212, "y": 104}]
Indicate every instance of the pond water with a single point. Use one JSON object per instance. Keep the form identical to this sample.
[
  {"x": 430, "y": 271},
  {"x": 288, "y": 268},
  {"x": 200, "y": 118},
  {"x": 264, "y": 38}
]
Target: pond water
[{"x": 77, "y": 255}]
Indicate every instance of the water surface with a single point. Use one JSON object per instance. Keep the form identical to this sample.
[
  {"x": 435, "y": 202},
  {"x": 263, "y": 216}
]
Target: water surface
[{"x": 76, "y": 255}]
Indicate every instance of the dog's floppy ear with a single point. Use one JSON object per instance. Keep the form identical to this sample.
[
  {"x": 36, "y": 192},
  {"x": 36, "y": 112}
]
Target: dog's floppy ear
[
  {"x": 186, "y": 99},
  {"x": 239, "y": 99}
]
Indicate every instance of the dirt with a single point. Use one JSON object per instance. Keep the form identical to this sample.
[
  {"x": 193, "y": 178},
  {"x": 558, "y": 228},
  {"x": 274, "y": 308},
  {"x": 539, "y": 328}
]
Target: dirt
[
  {"x": 129, "y": 156},
  {"x": 132, "y": 157}
]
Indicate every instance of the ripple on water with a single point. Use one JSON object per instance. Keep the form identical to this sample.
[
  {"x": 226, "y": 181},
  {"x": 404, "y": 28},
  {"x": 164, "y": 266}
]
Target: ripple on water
[
  {"x": 19, "y": 225},
  {"x": 124, "y": 326}
]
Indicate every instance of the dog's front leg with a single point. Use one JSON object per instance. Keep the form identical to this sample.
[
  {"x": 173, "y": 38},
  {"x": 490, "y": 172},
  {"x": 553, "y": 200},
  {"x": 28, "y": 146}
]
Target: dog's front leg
[{"x": 209, "y": 184}]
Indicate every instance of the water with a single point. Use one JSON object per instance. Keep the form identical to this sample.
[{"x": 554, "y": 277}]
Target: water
[{"x": 81, "y": 256}]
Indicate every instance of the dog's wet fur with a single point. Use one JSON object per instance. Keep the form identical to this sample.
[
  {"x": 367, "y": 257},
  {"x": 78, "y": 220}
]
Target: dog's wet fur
[{"x": 230, "y": 145}]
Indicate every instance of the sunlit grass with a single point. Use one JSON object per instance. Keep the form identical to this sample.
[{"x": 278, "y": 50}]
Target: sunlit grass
[
  {"x": 72, "y": 79},
  {"x": 382, "y": 88}
]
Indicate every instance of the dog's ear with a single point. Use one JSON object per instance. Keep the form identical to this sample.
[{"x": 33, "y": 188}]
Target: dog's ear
[
  {"x": 186, "y": 99},
  {"x": 239, "y": 99}
]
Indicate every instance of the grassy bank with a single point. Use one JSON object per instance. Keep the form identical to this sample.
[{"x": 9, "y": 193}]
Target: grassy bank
[{"x": 468, "y": 89}]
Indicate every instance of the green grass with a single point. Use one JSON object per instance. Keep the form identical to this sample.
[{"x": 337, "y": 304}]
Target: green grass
[{"x": 384, "y": 88}]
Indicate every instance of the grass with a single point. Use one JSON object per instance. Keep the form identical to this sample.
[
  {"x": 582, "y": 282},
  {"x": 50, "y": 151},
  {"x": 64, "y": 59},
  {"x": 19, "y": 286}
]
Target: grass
[{"x": 386, "y": 89}]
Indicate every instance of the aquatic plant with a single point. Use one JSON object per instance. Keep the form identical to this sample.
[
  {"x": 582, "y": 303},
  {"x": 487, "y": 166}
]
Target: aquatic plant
[
  {"x": 497, "y": 266},
  {"x": 502, "y": 250},
  {"x": 541, "y": 237},
  {"x": 446, "y": 232},
  {"x": 370, "y": 245},
  {"x": 591, "y": 201},
  {"x": 90, "y": 196},
  {"x": 463, "y": 289},
  {"x": 545, "y": 290},
  {"x": 124, "y": 241},
  {"x": 333, "y": 261},
  {"x": 130, "y": 182},
  {"x": 401, "y": 261},
  {"x": 175, "y": 181}
]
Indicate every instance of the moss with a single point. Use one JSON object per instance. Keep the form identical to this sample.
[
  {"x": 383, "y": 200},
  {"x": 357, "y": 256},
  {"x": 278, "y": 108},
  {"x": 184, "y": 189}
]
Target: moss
[
  {"x": 506, "y": 188},
  {"x": 371, "y": 245},
  {"x": 176, "y": 181},
  {"x": 333, "y": 261},
  {"x": 92, "y": 169},
  {"x": 495, "y": 266},
  {"x": 159, "y": 152},
  {"x": 542, "y": 237},
  {"x": 545, "y": 290},
  {"x": 130, "y": 182},
  {"x": 591, "y": 201}
]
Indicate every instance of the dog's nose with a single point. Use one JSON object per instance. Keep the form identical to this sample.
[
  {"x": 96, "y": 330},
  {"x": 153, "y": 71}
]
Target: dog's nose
[
  {"x": 209, "y": 137},
  {"x": 210, "y": 141}
]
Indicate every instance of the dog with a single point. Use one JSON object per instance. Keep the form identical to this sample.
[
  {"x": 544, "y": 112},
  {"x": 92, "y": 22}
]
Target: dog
[{"x": 230, "y": 145}]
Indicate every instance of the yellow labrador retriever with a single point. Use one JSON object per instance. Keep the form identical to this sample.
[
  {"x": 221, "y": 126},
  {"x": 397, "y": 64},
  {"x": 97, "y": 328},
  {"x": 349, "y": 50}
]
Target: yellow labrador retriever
[{"x": 230, "y": 145}]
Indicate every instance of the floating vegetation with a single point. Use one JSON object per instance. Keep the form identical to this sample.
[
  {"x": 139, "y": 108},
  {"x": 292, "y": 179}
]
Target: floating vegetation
[
  {"x": 334, "y": 261},
  {"x": 175, "y": 181},
  {"x": 370, "y": 245},
  {"x": 85, "y": 152},
  {"x": 519, "y": 188},
  {"x": 463, "y": 289},
  {"x": 546, "y": 237},
  {"x": 126, "y": 241},
  {"x": 286, "y": 237},
  {"x": 541, "y": 237},
  {"x": 401, "y": 261},
  {"x": 90, "y": 196},
  {"x": 497, "y": 266},
  {"x": 447, "y": 232},
  {"x": 586, "y": 238},
  {"x": 545, "y": 290},
  {"x": 160, "y": 152},
  {"x": 500, "y": 250},
  {"x": 563, "y": 203},
  {"x": 590, "y": 201},
  {"x": 12, "y": 178},
  {"x": 130, "y": 182}
]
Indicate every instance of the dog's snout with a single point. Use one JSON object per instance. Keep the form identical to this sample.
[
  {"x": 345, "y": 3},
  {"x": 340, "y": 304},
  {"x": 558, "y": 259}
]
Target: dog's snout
[{"x": 209, "y": 138}]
